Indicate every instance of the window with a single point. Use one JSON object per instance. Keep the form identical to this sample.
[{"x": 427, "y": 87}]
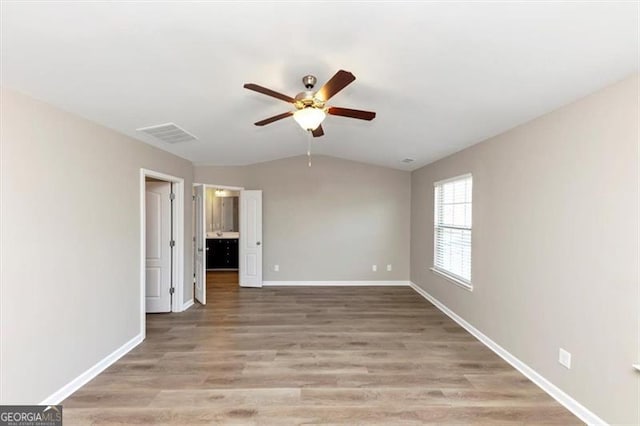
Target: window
[{"x": 452, "y": 229}]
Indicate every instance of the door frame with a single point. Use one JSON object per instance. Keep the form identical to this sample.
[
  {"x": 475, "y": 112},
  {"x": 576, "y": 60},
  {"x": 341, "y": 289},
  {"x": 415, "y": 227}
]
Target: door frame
[
  {"x": 161, "y": 235},
  {"x": 178, "y": 228},
  {"x": 204, "y": 214}
]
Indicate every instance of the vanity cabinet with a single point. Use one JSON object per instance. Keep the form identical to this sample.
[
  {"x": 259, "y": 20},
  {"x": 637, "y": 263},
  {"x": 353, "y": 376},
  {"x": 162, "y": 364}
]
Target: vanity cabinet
[
  {"x": 209, "y": 256},
  {"x": 222, "y": 253}
]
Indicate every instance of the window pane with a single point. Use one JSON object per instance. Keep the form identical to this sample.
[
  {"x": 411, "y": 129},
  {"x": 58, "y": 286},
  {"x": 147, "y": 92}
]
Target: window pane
[
  {"x": 458, "y": 215},
  {"x": 447, "y": 191}
]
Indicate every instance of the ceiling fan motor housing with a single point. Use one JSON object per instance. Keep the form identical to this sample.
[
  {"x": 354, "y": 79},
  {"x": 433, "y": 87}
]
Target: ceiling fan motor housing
[{"x": 307, "y": 100}]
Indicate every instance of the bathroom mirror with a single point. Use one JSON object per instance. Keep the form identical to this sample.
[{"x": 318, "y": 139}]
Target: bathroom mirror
[{"x": 222, "y": 210}]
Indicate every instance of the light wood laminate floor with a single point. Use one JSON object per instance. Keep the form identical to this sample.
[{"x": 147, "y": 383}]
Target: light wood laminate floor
[{"x": 349, "y": 355}]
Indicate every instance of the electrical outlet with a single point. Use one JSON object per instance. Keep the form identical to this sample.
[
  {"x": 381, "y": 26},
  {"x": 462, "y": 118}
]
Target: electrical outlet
[
  {"x": 374, "y": 268},
  {"x": 276, "y": 268},
  {"x": 564, "y": 358},
  {"x": 389, "y": 267}
]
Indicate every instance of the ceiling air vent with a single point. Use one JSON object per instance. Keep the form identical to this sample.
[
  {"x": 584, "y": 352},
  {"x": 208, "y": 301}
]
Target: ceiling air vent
[
  {"x": 169, "y": 133},
  {"x": 408, "y": 160}
]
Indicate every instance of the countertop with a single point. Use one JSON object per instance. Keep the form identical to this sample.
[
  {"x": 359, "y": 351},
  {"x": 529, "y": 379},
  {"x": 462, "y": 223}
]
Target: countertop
[{"x": 225, "y": 235}]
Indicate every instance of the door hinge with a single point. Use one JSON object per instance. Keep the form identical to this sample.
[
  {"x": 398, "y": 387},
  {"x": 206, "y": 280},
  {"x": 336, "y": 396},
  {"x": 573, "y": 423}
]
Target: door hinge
[
  {"x": 172, "y": 196},
  {"x": 172, "y": 290},
  {"x": 193, "y": 197},
  {"x": 172, "y": 243}
]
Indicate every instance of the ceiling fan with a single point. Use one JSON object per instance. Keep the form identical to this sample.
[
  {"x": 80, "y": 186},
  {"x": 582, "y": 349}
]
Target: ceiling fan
[{"x": 311, "y": 108}]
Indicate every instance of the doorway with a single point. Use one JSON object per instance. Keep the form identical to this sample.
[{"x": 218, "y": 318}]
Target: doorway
[
  {"x": 227, "y": 238},
  {"x": 161, "y": 244}
]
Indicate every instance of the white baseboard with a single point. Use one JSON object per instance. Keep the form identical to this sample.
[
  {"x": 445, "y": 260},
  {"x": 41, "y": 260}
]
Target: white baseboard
[
  {"x": 187, "y": 305},
  {"x": 582, "y": 412},
  {"x": 62, "y": 393},
  {"x": 333, "y": 283}
]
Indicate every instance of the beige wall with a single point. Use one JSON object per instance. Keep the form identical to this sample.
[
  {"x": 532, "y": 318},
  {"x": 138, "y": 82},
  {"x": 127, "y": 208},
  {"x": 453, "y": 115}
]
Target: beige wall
[
  {"x": 555, "y": 256},
  {"x": 70, "y": 244},
  {"x": 555, "y": 246},
  {"x": 330, "y": 222}
]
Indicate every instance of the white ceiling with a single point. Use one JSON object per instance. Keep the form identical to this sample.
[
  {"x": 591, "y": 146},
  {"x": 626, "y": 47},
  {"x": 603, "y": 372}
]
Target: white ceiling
[{"x": 441, "y": 76}]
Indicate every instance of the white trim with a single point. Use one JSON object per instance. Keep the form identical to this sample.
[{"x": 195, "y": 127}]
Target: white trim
[
  {"x": 179, "y": 224},
  {"x": 187, "y": 305},
  {"x": 451, "y": 277},
  {"x": 464, "y": 176},
  {"x": 62, "y": 393},
  {"x": 230, "y": 188},
  {"x": 582, "y": 412},
  {"x": 333, "y": 283}
]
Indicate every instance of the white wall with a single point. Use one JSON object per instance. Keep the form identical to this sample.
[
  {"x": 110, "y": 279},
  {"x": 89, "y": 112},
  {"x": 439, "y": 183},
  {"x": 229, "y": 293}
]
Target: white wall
[
  {"x": 555, "y": 246},
  {"x": 330, "y": 222},
  {"x": 70, "y": 276}
]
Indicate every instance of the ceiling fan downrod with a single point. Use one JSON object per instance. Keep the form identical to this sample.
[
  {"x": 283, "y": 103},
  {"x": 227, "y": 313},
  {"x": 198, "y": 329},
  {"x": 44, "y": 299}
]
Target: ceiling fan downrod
[{"x": 309, "y": 81}]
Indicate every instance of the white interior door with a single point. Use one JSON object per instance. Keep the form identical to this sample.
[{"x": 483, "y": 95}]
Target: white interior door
[
  {"x": 251, "y": 238},
  {"x": 157, "y": 246},
  {"x": 200, "y": 243}
]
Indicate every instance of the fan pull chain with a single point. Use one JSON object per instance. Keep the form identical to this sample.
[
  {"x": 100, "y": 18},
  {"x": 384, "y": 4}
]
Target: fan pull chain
[{"x": 309, "y": 147}]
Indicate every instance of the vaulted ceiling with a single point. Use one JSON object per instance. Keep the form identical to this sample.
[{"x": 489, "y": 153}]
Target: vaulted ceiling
[{"x": 441, "y": 76}]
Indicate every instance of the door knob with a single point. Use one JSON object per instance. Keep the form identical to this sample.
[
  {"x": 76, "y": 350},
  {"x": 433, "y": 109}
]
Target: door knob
[{"x": 258, "y": 243}]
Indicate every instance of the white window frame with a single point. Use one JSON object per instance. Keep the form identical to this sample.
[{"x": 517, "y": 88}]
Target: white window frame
[{"x": 450, "y": 276}]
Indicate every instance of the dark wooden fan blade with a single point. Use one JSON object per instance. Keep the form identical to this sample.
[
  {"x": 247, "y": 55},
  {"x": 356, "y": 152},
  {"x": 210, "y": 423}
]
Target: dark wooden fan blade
[
  {"x": 338, "y": 82},
  {"x": 274, "y": 118},
  {"x": 318, "y": 132},
  {"x": 352, "y": 113},
  {"x": 269, "y": 92}
]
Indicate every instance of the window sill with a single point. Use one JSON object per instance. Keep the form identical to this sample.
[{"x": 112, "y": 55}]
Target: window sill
[{"x": 454, "y": 280}]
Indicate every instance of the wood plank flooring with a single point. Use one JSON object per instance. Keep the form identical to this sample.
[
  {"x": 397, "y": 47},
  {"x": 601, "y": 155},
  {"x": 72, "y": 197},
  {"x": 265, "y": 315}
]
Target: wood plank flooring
[{"x": 332, "y": 355}]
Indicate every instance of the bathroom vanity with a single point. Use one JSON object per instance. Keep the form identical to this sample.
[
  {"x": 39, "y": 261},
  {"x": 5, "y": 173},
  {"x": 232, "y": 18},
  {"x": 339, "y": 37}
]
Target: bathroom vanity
[{"x": 222, "y": 251}]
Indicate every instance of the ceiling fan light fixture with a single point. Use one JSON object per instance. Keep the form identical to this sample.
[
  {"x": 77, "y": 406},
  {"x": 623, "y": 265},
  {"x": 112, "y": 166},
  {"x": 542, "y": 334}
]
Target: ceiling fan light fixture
[{"x": 309, "y": 118}]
